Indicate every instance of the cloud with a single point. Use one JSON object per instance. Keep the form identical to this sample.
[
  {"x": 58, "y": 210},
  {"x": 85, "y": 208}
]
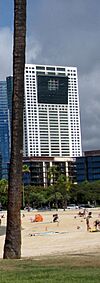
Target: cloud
[
  {"x": 5, "y": 52},
  {"x": 67, "y": 30},
  {"x": 65, "y": 33},
  {"x": 90, "y": 109},
  {"x": 33, "y": 49},
  {"x": 69, "y": 35}
]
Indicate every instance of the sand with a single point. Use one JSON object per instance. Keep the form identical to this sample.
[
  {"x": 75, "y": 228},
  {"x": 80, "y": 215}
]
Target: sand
[{"x": 69, "y": 236}]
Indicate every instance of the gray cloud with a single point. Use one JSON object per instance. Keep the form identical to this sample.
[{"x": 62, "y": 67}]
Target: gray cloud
[
  {"x": 5, "y": 52},
  {"x": 66, "y": 32},
  {"x": 90, "y": 108},
  {"x": 33, "y": 49}
]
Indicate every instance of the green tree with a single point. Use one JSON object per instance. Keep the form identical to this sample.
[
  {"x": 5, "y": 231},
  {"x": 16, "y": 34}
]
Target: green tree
[
  {"x": 64, "y": 185},
  {"x": 12, "y": 247},
  {"x": 53, "y": 174},
  {"x": 3, "y": 193},
  {"x": 25, "y": 169}
]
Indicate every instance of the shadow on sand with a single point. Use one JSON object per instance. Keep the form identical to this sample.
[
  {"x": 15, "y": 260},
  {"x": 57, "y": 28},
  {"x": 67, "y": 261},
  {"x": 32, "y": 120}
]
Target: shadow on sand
[{"x": 2, "y": 230}]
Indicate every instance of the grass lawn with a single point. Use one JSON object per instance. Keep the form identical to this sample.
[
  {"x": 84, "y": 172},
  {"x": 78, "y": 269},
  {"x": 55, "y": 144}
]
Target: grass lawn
[{"x": 62, "y": 269}]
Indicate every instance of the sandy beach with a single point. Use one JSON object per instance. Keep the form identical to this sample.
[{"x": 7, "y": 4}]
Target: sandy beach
[{"x": 69, "y": 236}]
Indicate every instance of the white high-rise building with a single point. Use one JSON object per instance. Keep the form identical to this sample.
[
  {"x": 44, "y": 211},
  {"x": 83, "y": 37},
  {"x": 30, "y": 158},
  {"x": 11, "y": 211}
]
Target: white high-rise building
[{"x": 51, "y": 111}]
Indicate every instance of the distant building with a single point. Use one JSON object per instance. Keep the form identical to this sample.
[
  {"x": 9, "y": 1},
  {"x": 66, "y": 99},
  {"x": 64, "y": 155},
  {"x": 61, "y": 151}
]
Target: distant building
[
  {"x": 0, "y": 166},
  {"x": 9, "y": 81},
  {"x": 4, "y": 130},
  {"x": 39, "y": 170},
  {"x": 51, "y": 111},
  {"x": 88, "y": 166},
  {"x": 92, "y": 152}
]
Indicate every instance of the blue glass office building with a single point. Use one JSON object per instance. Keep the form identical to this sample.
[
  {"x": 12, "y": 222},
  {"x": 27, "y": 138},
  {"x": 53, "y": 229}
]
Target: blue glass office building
[
  {"x": 88, "y": 167},
  {"x": 0, "y": 166},
  {"x": 9, "y": 81},
  {"x": 4, "y": 129}
]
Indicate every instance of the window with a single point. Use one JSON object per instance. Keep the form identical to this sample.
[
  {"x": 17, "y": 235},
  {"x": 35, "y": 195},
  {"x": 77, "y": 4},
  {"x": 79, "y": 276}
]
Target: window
[
  {"x": 61, "y": 69},
  {"x": 51, "y": 73},
  {"x": 61, "y": 74},
  {"x": 50, "y": 68},
  {"x": 53, "y": 84},
  {"x": 40, "y": 68},
  {"x": 40, "y": 73}
]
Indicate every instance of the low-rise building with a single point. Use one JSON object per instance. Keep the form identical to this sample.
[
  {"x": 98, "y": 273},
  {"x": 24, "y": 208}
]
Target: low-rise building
[
  {"x": 88, "y": 166},
  {"x": 40, "y": 169}
]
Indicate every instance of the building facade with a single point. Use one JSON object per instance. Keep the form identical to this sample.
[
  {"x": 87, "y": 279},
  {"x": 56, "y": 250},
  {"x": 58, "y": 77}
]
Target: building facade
[
  {"x": 39, "y": 168},
  {"x": 9, "y": 81},
  {"x": 88, "y": 166},
  {"x": 51, "y": 111},
  {"x": 4, "y": 130},
  {"x": 0, "y": 166}
]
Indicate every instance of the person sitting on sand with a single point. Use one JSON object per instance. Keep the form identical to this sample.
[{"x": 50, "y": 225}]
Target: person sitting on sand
[
  {"x": 55, "y": 217},
  {"x": 83, "y": 213},
  {"x": 97, "y": 224},
  {"x": 2, "y": 216}
]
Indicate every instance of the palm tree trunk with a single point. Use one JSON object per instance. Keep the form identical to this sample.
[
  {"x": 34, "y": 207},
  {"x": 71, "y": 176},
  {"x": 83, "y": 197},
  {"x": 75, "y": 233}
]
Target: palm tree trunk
[{"x": 12, "y": 247}]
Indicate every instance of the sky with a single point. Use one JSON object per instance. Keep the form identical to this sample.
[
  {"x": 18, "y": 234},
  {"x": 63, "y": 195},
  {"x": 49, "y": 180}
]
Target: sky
[{"x": 61, "y": 32}]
